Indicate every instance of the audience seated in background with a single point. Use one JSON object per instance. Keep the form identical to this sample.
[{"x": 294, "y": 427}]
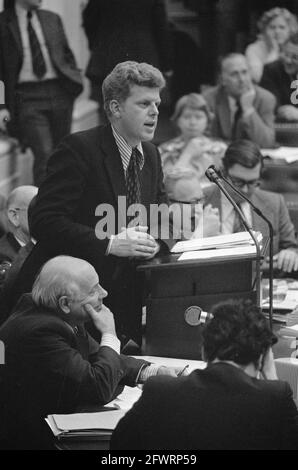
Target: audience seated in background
[
  {"x": 278, "y": 77},
  {"x": 192, "y": 148},
  {"x": 225, "y": 406},
  {"x": 18, "y": 229},
  {"x": 186, "y": 197},
  {"x": 241, "y": 109},
  {"x": 275, "y": 26},
  {"x": 52, "y": 365},
  {"x": 242, "y": 164}
]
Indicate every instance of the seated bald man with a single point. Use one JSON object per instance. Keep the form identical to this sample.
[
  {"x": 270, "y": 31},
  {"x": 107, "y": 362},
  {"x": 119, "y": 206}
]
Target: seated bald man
[
  {"x": 18, "y": 235},
  {"x": 18, "y": 229},
  {"x": 187, "y": 198},
  {"x": 52, "y": 365}
]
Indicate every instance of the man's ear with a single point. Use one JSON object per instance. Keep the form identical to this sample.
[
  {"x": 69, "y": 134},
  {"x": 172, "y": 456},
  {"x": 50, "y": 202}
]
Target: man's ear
[
  {"x": 13, "y": 217},
  {"x": 64, "y": 304},
  {"x": 115, "y": 108}
]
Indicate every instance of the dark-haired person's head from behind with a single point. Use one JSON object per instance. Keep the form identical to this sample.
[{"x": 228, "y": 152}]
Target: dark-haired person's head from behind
[{"x": 238, "y": 333}]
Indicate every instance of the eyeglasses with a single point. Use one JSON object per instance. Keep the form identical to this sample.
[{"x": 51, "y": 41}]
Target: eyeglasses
[
  {"x": 197, "y": 200},
  {"x": 239, "y": 183}
]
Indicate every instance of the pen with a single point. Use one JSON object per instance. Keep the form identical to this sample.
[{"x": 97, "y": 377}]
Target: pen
[{"x": 181, "y": 372}]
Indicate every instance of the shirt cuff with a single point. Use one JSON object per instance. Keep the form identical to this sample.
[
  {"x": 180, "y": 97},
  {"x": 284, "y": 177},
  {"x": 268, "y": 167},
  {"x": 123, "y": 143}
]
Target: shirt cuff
[
  {"x": 146, "y": 371},
  {"x": 111, "y": 341},
  {"x": 109, "y": 245}
]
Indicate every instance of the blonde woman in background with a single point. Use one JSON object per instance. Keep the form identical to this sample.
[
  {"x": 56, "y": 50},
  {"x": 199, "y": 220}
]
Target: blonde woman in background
[
  {"x": 275, "y": 26},
  {"x": 192, "y": 148}
]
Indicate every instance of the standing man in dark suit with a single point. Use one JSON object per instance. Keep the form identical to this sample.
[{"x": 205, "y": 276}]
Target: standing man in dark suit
[
  {"x": 79, "y": 208},
  {"x": 235, "y": 403},
  {"x": 41, "y": 79}
]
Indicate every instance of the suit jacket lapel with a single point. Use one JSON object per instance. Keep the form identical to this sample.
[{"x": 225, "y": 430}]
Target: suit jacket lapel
[
  {"x": 224, "y": 113},
  {"x": 113, "y": 163},
  {"x": 47, "y": 29},
  {"x": 257, "y": 222},
  {"x": 15, "y": 30},
  {"x": 146, "y": 176}
]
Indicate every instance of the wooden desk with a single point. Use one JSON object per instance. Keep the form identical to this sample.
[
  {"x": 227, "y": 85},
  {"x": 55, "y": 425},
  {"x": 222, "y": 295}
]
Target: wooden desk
[{"x": 176, "y": 291}]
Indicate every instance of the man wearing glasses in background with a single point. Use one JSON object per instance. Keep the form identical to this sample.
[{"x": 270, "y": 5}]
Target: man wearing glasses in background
[
  {"x": 242, "y": 165},
  {"x": 278, "y": 77}
]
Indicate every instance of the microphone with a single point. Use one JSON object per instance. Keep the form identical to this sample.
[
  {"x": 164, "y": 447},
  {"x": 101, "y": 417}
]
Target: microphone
[
  {"x": 213, "y": 176},
  {"x": 219, "y": 175}
]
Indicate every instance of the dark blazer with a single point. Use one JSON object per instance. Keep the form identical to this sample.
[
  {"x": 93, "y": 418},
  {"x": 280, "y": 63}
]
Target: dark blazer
[
  {"x": 258, "y": 127},
  {"x": 85, "y": 171},
  {"x": 11, "y": 54},
  {"x": 273, "y": 207},
  {"x": 51, "y": 369},
  {"x": 131, "y": 30},
  {"x": 9, "y": 247},
  {"x": 220, "y": 407},
  {"x": 276, "y": 80},
  {"x": 7, "y": 289}
]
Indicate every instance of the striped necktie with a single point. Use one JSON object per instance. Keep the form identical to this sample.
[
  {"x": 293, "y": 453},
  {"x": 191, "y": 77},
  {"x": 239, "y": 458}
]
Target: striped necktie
[{"x": 38, "y": 62}]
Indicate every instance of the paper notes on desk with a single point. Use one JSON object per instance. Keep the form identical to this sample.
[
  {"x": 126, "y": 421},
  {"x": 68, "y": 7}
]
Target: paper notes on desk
[
  {"x": 219, "y": 253},
  {"x": 233, "y": 240},
  {"x": 289, "y": 303},
  {"x": 289, "y": 154},
  {"x": 80, "y": 425}
]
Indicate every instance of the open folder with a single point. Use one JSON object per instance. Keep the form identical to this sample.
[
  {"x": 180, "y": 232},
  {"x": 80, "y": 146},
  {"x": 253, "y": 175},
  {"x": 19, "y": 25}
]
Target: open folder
[
  {"x": 84, "y": 425},
  {"x": 232, "y": 240}
]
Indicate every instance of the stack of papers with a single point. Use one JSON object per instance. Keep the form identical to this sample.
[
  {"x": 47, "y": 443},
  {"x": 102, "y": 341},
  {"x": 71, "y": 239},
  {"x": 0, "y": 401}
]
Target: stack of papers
[
  {"x": 84, "y": 425},
  {"x": 231, "y": 240},
  {"x": 289, "y": 154},
  {"x": 289, "y": 303}
]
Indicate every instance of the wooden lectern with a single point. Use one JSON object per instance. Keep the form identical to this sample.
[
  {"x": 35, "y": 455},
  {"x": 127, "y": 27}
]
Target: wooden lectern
[{"x": 176, "y": 292}]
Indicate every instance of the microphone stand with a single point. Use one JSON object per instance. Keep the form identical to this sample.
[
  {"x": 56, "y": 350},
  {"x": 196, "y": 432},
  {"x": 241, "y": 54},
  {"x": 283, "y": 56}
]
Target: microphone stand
[
  {"x": 260, "y": 214},
  {"x": 214, "y": 178}
]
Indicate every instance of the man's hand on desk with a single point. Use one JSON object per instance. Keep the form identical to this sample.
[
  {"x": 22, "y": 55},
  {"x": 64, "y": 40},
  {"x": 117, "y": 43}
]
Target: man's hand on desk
[
  {"x": 172, "y": 371},
  {"x": 134, "y": 242},
  {"x": 153, "y": 370},
  {"x": 288, "y": 112},
  {"x": 285, "y": 260}
]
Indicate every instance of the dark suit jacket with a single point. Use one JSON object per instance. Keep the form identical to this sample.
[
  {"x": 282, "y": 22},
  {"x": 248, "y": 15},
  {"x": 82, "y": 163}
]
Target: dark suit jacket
[
  {"x": 220, "y": 407},
  {"x": 276, "y": 80},
  {"x": 118, "y": 31},
  {"x": 85, "y": 171},
  {"x": 11, "y": 55},
  {"x": 50, "y": 369},
  {"x": 273, "y": 207},
  {"x": 258, "y": 127},
  {"x": 7, "y": 289},
  {"x": 9, "y": 247}
]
